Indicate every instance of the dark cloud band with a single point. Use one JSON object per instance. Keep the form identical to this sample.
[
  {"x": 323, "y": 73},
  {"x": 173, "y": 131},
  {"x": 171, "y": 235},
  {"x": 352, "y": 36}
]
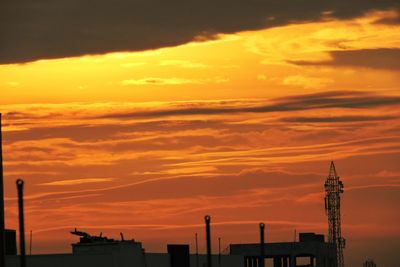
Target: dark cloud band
[
  {"x": 45, "y": 29},
  {"x": 383, "y": 58},
  {"x": 337, "y": 99},
  {"x": 339, "y": 119}
]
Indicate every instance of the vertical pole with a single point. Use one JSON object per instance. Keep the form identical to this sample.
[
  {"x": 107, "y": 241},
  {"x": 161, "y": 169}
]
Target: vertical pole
[
  {"x": 285, "y": 261},
  {"x": 20, "y": 187},
  {"x": 30, "y": 244},
  {"x": 197, "y": 251},
  {"x": 2, "y": 226},
  {"x": 207, "y": 219},
  {"x": 277, "y": 261},
  {"x": 293, "y": 262},
  {"x": 219, "y": 251},
  {"x": 262, "y": 246}
]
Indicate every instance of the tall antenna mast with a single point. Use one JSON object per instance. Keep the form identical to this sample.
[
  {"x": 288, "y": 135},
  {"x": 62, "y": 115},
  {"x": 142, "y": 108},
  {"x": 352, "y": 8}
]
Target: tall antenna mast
[{"x": 333, "y": 189}]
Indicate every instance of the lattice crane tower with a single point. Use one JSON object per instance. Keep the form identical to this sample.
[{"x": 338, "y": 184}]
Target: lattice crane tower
[{"x": 333, "y": 189}]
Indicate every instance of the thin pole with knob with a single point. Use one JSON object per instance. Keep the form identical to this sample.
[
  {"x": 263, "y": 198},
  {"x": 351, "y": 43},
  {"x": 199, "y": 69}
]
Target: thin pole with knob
[
  {"x": 262, "y": 242},
  {"x": 20, "y": 188},
  {"x": 207, "y": 219}
]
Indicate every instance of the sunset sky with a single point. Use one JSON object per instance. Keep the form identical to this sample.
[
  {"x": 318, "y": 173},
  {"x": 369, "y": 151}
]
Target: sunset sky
[{"x": 143, "y": 116}]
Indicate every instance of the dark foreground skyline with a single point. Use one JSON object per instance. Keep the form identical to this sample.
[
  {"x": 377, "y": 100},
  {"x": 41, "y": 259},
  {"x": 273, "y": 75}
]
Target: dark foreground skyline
[{"x": 143, "y": 117}]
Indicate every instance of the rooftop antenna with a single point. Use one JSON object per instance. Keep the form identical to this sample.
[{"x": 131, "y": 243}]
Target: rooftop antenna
[
  {"x": 333, "y": 189},
  {"x": 2, "y": 227}
]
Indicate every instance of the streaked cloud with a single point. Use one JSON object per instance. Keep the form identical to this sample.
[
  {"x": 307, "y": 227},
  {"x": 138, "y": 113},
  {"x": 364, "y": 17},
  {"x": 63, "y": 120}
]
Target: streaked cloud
[
  {"x": 133, "y": 64},
  {"x": 183, "y": 64},
  {"x": 326, "y": 40},
  {"x": 261, "y": 77},
  {"x": 333, "y": 119},
  {"x": 78, "y": 181},
  {"x": 306, "y": 82},
  {"x": 241, "y": 160},
  {"x": 333, "y": 99},
  {"x": 12, "y": 83},
  {"x": 159, "y": 81}
]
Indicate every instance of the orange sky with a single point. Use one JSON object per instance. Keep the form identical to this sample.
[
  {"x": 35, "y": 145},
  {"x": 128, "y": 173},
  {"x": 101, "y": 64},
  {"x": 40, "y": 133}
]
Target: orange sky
[{"x": 242, "y": 127}]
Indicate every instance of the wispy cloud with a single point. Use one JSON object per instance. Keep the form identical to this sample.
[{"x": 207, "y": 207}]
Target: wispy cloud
[
  {"x": 133, "y": 64},
  {"x": 159, "y": 81},
  {"x": 78, "y": 181},
  {"x": 240, "y": 160},
  {"x": 306, "y": 81},
  {"x": 183, "y": 64},
  {"x": 360, "y": 42},
  {"x": 13, "y": 83},
  {"x": 333, "y": 99},
  {"x": 333, "y": 119}
]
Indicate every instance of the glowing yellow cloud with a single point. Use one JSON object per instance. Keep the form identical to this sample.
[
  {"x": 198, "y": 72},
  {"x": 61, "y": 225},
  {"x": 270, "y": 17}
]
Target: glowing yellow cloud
[{"x": 221, "y": 68}]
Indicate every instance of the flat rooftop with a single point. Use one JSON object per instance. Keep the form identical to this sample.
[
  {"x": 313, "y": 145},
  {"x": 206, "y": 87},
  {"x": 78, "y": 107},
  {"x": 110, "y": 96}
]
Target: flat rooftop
[{"x": 283, "y": 249}]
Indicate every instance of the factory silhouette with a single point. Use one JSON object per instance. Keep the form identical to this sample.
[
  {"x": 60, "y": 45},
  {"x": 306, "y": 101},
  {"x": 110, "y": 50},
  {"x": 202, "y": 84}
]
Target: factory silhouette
[{"x": 309, "y": 249}]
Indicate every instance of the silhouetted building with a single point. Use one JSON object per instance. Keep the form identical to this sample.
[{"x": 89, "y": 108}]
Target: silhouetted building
[
  {"x": 311, "y": 237},
  {"x": 311, "y": 250},
  {"x": 11, "y": 242},
  {"x": 99, "y": 251},
  {"x": 369, "y": 263},
  {"x": 179, "y": 255}
]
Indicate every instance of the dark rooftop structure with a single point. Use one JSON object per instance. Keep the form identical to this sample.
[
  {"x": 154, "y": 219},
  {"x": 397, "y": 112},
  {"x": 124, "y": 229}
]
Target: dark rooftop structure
[
  {"x": 11, "y": 242},
  {"x": 311, "y": 250}
]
